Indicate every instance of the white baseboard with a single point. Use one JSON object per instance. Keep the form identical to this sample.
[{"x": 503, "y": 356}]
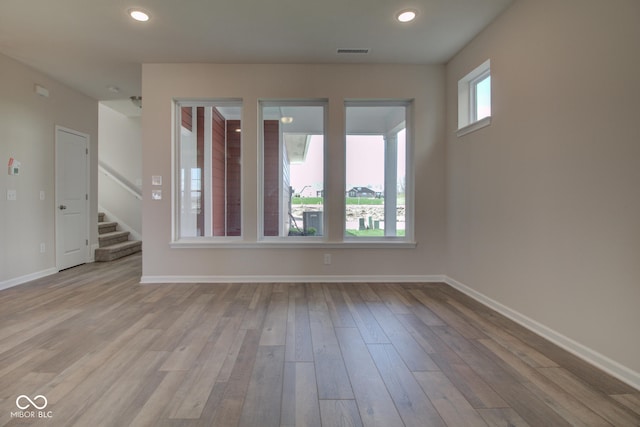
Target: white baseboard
[
  {"x": 602, "y": 362},
  {"x": 27, "y": 278},
  {"x": 291, "y": 279}
]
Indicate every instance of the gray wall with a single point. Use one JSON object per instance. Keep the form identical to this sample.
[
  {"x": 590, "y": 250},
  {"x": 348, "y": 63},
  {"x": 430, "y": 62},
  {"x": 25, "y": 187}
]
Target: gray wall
[
  {"x": 163, "y": 82},
  {"x": 543, "y": 206},
  {"x": 27, "y": 132}
]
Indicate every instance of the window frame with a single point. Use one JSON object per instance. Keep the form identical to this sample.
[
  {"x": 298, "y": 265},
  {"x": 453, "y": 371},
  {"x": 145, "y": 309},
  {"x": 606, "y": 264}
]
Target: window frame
[
  {"x": 467, "y": 100},
  {"x": 297, "y": 102},
  {"x": 176, "y": 221},
  {"x": 408, "y": 238}
]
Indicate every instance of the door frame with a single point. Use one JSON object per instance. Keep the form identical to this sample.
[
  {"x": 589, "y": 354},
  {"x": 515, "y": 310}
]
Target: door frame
[{"x": 87, "y": 137}]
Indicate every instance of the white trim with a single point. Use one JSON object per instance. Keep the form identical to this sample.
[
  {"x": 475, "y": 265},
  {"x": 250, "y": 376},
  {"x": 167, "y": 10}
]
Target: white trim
[
  {"x": 212, "y": 243},
  {"x": 88, "y": 222},
  {"x": 486, "y": 121},
  {"x": 294, "y": 279},
  {"x": 27, "y": 278},
  {"x": 601, "y": 361}
]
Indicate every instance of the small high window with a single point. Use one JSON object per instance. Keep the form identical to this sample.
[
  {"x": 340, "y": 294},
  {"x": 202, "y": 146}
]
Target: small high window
[{"x": 474, "y": 99}]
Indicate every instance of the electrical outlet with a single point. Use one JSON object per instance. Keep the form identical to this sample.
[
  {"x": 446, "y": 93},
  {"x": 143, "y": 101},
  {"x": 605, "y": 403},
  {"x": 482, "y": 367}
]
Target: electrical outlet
[
  {"x": 41, "y": 194},
  {"x": 42, "y": 248},
  {"x": 327, "y": 259},
  {"x": 12, "y": 195}
]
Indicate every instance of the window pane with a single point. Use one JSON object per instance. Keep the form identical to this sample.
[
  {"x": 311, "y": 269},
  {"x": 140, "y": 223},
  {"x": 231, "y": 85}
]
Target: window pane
[
  {"x": 293, "y": 169},
  {"x": 483, "y": 98},
  {"x": 209, "y": 171},
  {"x": 375, "y": 171}
]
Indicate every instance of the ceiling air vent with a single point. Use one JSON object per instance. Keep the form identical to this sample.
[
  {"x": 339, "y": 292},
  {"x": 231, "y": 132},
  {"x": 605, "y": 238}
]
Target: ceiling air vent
[{"x": 359, "y": 51}]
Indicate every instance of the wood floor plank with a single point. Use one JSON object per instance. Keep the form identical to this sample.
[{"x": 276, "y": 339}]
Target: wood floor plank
[
  {"x": 413, "y": 405},
  {"x": 340, "y": 314},
  {"x": 331, "y": 373},
  {"x": 339, "y": 413},
  {"x": 155, "y": 407},
  {"x": 502, "y": 417},
  {"x": 477, "y": 392},
  {"x": 274, "y": 329},
  {"x": 195, "y": 390},
  {"x": 502, "y": 378},
  {"x": 449, "y": 316},
  {"x": 374, "y": 402},
  {"x": 413, "y": 355},
  {"x": 230, "y": 408},
  {"x": 257, "y": 309},
  {"x": 450, "y": 403},
  {"x": 300, "y": 405},
  {"x": 394, "y": 300},
  {"x": 121, "y": 393},
  {"x": 263, "y": 400},
  {"x": 525, "y": 352},
  {"x": 365, "y": 321},
  {"x": 298, "y": 339},
  {"x": 630, "y": 401},
  {"x": 610, "y": 410},
  {"x": 561, "y": 401},
  {"x": 106, "y": 350}
]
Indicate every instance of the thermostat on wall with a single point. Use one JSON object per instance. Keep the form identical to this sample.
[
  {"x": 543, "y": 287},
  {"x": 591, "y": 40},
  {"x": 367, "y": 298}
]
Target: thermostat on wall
[{"x": 14, "y": 166}]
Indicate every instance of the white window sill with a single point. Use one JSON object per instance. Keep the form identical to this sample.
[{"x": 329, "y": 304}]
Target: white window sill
[
  {"x": 351, "y": 244},
  {"x": 474, "y": 126}
]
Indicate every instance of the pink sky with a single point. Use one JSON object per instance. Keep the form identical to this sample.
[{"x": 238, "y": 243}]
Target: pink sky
[{"x": 365, "y": 160}]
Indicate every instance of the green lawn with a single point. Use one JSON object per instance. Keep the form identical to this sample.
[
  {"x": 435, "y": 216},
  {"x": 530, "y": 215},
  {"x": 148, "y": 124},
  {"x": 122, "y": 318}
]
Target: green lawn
[
  {"x": 307, "y": 201},
  {"x": 363, "y": 201}
]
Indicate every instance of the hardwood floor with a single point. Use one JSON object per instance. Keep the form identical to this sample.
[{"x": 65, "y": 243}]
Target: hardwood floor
[{"x": 106, "y": 351}]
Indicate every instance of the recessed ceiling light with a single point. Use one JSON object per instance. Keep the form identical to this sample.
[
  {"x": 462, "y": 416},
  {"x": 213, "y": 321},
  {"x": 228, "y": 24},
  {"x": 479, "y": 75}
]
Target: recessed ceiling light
[
  {"x": 113, "y": 89},
  {"x": 406, "y": 15},
  {"x": 139, "y": 15}
]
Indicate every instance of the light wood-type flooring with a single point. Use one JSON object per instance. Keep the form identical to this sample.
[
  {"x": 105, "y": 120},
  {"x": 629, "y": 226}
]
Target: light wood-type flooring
[{"x": 106, "y": 351}]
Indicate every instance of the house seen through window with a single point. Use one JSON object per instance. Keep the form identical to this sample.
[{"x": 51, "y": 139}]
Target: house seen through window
[{"x": 376, "y": 172}]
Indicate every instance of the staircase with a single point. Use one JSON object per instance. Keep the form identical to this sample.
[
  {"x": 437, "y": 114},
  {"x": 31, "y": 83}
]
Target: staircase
[{"x": 114, "y": 244}]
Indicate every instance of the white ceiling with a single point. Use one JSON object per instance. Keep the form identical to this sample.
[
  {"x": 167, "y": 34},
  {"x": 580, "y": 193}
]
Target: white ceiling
[{"x": 93, "y": 44}]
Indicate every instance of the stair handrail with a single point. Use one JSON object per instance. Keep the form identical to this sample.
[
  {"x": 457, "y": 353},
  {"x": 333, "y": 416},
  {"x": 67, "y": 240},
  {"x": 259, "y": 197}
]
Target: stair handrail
[{"x": 121, "y": 180}]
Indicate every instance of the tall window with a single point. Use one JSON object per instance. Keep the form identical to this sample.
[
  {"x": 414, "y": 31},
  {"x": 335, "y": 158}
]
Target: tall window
[
  {"x": 474, "y": 99},
  {"x": 376, "y": 170},
  {"x": 292, "y": 168},
  {"x": 209, "y": 172}
]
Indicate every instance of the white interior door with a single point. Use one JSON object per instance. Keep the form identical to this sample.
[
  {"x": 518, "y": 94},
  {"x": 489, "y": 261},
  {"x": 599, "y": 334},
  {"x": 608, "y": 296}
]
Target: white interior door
[{"x": 72, "y": 229}]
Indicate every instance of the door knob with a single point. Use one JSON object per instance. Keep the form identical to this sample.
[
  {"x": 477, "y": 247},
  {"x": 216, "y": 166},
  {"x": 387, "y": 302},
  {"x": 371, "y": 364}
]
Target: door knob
[{"x": 62, "y": 207}]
